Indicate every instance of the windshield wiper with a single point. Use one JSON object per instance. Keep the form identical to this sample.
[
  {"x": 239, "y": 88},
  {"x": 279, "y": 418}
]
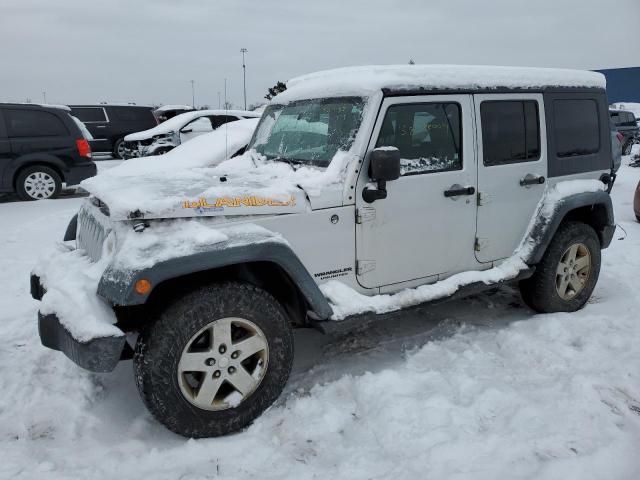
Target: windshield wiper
[{"x": 288, "y": 160}]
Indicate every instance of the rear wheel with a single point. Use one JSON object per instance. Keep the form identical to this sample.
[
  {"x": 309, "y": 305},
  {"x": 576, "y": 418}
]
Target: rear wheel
[
  {"x": 567, "y": 274},
  {"x": 38, "y": 183},
  {"x": 214, "y": 360},
  {"x": 118, "y": 149}
]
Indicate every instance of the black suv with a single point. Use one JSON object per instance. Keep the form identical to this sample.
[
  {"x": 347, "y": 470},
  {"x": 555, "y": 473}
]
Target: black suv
[
  {"x": 109, "y": 124},
  {"x": 627, "y": 125},
  {"x": 40, "y": 148}
]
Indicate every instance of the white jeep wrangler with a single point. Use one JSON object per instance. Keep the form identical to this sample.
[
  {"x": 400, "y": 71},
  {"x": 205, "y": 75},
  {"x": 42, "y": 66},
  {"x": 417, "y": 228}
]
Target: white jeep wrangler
[{"x": 363, "y": 191}]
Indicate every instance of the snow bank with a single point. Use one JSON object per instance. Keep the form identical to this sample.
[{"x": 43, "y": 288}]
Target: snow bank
[
  {"x": 365, "y": 80},
  {"x": 345, "y": 301},
  {"x": 176, "y": 123}
]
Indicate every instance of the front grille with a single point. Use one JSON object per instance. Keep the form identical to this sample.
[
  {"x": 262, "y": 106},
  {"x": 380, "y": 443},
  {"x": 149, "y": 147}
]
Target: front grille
[{"x": 91, "y": 233}]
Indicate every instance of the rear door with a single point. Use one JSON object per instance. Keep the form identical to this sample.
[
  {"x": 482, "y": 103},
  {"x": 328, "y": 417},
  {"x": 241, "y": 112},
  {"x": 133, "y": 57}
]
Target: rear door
[
  {"x": 5, "y": 153},
  {"x": 512, "y": 170},
  {"x": 97, "y": 122}
]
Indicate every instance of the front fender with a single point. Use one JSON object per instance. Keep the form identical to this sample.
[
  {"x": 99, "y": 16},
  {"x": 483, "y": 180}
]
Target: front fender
[
  {"x": 550, "y": 216},
  {"x": 117, "y": 284}
]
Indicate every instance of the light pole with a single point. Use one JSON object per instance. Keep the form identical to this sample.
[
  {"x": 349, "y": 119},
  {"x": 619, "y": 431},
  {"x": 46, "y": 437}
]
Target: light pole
[
  {"x": 44, "y": 97},
  {"x": 219, "y": 104},
  {"x": 193, "y": 93},
  {"x": 244, "y": 76}
]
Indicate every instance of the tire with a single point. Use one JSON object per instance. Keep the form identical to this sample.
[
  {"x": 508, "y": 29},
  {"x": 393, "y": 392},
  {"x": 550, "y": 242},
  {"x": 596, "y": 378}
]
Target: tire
[
  {"x": 170, "y": 342},
  {"x": 542, "y": 291},
  {"x": 118, "y": 149},
  {"x": 38, "y": 183},
  {"x": 626, "y": 148}
]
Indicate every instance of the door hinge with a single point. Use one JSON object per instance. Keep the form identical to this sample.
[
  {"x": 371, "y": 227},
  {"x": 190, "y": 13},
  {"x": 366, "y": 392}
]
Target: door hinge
[
  {"x": 364, "y": 266},
  {"x": 482, "y": 198},
  {"x": 480, "y": 243},
  {"x": 365, "y": 214}
]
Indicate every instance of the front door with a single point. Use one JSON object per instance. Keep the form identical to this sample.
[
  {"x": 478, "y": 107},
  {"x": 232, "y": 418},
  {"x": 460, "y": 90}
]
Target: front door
[
  {"x": 426, "y": 225},
  {"x": 512, "y": 169}
]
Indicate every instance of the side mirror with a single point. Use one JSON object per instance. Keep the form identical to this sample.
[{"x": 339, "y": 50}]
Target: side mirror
[{"x": 384, "y": 166}]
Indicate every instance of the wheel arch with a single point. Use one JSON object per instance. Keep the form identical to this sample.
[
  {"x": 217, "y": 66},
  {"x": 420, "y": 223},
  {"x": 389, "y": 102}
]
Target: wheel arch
[
  {"x": 272, "y": 266},
  {"x": 593, "y": 208}
]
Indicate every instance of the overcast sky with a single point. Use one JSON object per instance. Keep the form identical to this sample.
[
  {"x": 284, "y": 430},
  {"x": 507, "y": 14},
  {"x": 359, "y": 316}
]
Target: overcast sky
[{"x": 146, "y": 51}]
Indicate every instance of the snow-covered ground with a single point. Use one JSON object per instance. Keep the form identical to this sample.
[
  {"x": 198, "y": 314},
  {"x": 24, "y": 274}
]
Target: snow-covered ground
[{"x": 480, "y": 388}]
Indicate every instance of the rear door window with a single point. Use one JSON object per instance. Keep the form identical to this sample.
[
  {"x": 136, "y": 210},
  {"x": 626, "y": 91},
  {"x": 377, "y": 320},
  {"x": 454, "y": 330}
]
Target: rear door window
[
  {"x": 34, "y": 123},
  {"x": 89, "y": 114},
  {"x": 130, "y": 114},
  {"x": 218, "y": 120},
  {"x": 577, "y": 127},
  {"x": 510, "y": 131}
]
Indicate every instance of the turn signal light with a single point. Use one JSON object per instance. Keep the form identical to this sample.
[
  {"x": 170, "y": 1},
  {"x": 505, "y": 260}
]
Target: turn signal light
[{"x": 143, "y": 286}]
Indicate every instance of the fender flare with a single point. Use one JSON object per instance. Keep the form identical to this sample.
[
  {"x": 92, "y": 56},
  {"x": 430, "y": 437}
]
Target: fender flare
[
  {"x": 117, "y": 285},
  {"x": 545, "y": 227}
]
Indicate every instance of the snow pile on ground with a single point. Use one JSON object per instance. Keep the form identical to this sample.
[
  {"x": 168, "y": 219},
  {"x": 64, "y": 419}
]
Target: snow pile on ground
[
  {"x": 345, "y": 301},
  {"x": 366, "y": 80},
  {"x": 513, "y": 395}
]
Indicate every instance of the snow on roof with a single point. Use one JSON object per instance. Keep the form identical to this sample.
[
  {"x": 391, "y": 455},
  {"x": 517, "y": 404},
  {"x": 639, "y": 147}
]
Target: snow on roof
[
  {"x": 179, "y": 121},
  {"x": 365, "y": 80},
  {"x": 164, "y": 108},
  {"x": 46, "y": 105}
]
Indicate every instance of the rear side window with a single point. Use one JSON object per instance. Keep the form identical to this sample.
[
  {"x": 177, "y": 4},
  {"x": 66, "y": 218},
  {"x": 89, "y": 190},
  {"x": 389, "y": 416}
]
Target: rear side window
[
  {"x": 89, "y": 114},
  {"x": 427, "y": 134},
  {"x": 510, "y": 131},
  {"x": 34, "y": 123},
  {"x": 577, "y": 127},
  {"x": 218, "y": 120},
  {"x": 125, "y": 114}
]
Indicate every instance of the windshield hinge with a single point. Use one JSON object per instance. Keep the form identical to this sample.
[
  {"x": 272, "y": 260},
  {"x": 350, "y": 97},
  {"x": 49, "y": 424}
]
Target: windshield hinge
[
  {"x": 364, "y": 266},
  {"x": 365, "y": 214}
]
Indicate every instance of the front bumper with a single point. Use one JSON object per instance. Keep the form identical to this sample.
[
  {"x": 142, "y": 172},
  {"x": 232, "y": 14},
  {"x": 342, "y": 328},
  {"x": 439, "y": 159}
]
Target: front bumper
[{"x": 100, "y": 354}]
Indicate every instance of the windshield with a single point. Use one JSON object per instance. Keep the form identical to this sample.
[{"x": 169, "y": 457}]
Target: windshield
[{"x": 308, "y": 131}]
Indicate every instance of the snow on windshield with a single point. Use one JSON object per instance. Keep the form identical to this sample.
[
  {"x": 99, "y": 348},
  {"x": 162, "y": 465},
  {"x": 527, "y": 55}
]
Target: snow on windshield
[{"x": 310, "y": 131}]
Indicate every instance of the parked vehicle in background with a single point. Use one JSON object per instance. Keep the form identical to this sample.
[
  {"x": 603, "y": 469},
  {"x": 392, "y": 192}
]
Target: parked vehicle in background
[
  {"x": 627, "y": 124},
  {"x": 489, "y": 174},
  {"x": 41, "y": 147},
  {"x": 166, "y": 112},
  {"x": 178, "y": 130},
  {"x": 617, "y": 140},
  {"x": 109, "y": 124},
  {"x": 636, "y": 202}
]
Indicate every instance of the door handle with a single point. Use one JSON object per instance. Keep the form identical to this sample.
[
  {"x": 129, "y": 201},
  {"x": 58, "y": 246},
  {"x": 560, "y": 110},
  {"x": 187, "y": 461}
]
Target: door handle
[
  {"x": 101, "y": 126},
  {"x": 530, "y": 179},
  {"x": 457, "y": 190}
]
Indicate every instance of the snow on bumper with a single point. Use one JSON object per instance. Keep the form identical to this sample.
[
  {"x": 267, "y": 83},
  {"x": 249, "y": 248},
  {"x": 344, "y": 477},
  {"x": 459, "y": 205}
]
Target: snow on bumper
[{"x": 73, "y": 318}]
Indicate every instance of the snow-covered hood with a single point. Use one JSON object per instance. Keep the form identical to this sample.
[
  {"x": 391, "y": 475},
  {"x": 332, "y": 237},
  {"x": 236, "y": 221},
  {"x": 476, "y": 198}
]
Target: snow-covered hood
[{"x": 244, "y": 185}]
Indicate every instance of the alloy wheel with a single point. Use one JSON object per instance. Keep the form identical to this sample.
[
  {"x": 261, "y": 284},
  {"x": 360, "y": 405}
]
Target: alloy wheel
[
  {"x": 223, "y": 363},
  {"x": 573, "y": 271}
]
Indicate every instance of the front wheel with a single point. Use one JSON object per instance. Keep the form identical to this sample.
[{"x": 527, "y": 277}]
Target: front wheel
[
  {"x": 567, "y": 274},
  {"x": 119, "y": 149},
  {"x": 214, "y": 360}
]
